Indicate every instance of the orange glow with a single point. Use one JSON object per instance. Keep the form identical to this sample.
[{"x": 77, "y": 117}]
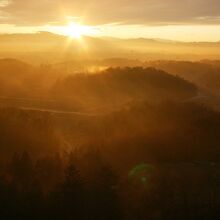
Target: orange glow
[{"x": 76, "y": 30}]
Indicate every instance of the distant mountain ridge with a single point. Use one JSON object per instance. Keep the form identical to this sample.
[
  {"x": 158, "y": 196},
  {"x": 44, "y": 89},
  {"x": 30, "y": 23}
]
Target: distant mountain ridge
[
  {"x": 51, "y": 47},
  {"x": 49, "y": 35}
]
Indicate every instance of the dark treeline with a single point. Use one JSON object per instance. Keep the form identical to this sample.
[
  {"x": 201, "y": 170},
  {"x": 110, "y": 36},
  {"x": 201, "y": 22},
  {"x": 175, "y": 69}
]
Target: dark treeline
[{"x": 55, "y": 188}]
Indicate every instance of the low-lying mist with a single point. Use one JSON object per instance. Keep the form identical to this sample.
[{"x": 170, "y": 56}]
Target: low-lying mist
[{"x": 129, "y": 139}]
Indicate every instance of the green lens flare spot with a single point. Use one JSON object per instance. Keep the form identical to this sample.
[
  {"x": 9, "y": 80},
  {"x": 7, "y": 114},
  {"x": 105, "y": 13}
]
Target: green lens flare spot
[{"x": 141, "y": 173}]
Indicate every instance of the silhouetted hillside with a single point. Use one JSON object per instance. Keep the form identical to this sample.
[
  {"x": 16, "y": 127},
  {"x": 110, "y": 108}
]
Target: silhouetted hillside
[
  {"x": 204, "y": 74},
  {"x": 21, "y": 80},
  {"x": 13, "y": 74},
  {"x": 116, "y": 87}
]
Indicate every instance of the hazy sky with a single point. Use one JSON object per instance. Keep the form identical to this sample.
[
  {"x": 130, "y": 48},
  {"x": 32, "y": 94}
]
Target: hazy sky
[{"x": 191, "y": 20}]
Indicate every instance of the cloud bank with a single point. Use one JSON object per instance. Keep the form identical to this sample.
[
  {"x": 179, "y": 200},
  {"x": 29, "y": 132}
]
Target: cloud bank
[{"x": 98, "y": 12}]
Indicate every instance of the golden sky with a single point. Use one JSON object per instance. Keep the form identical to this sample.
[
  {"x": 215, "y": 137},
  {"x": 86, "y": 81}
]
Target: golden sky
[{"x": 185, "y": 20}]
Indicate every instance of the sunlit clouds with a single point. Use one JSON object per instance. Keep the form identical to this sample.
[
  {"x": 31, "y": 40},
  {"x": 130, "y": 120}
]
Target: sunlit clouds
[
  {"x": 99, "y": 12},
  {"x": 4, "y": 3},
  {"x": 197, "y": 20}
]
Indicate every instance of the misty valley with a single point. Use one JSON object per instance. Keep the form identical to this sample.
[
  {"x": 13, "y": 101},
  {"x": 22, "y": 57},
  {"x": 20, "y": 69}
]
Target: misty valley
[
  {"x": 109, "y": 110},
  {"x": 110, "y": 139}
]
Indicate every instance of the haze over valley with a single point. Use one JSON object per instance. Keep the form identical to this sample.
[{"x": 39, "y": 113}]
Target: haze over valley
[{"x": 109, "y": 110}]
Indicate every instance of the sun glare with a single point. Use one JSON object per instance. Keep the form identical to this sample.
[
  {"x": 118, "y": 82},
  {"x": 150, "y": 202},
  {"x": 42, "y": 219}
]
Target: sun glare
[{"x": 75, "y": 30}]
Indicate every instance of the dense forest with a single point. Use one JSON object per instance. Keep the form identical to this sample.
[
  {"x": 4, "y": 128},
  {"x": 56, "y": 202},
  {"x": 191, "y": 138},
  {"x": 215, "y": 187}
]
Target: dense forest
[{"x": 131, "y": 143}]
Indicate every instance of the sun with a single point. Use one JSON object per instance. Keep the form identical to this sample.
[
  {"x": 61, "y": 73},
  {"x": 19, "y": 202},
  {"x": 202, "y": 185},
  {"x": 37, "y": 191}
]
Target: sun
[{"x": 76, "y": 30}]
